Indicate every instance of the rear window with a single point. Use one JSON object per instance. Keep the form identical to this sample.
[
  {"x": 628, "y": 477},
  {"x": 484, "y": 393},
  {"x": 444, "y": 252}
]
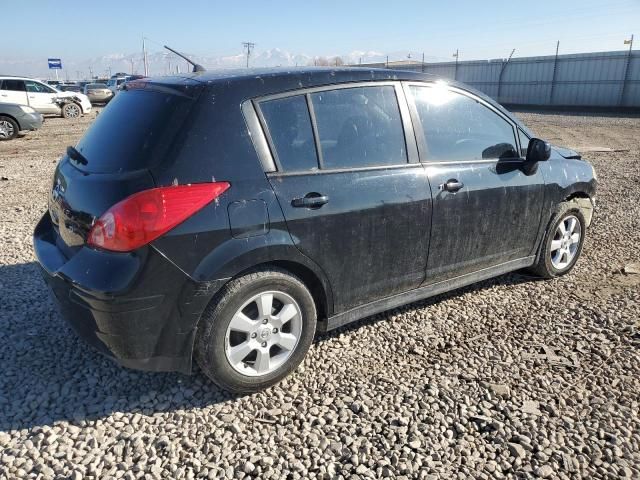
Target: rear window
[
  {"x": 96, "y": 85},
  {"x": 134, "y": 132}
]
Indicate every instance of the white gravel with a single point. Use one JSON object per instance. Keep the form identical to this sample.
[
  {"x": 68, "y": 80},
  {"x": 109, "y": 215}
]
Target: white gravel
[{"x": 512, "y": 377}]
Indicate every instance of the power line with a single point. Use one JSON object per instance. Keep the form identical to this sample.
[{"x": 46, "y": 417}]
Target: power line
[{"x": 248, "y": 46}]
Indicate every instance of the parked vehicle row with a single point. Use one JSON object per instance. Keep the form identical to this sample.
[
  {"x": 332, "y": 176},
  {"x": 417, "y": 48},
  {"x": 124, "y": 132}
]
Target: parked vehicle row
[{"x": 230, "y": 235}]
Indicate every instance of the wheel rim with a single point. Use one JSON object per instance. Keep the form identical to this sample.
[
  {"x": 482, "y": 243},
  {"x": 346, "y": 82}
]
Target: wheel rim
[
  {"x": 263, "y": 333},
  {"x": 565, "y": 243},
  {"x": 6, "y": 129},
  {"x": 73, "y": 111}
]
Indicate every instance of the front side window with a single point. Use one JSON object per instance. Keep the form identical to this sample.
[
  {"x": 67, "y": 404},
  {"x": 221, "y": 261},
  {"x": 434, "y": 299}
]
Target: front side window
[
  {"x": 359, "y": 127},
  {"x": 36, "y": 87},
  {"x": 289, "y": 127},
  {"x": 459, "y": 128}
]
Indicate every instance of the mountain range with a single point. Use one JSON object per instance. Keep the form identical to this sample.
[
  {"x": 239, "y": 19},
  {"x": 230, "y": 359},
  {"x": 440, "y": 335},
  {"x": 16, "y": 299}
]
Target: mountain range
[{"x": 164, "y": 62}]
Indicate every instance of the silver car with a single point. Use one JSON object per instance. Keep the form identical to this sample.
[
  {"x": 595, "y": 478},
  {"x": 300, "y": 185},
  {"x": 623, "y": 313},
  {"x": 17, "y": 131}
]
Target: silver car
[
  {"x": 17, "y": 118},
  {"x": 98, "y": 92}
]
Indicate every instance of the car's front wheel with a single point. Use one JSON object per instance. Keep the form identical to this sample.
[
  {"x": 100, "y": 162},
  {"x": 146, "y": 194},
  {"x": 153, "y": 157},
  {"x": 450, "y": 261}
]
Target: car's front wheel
[
  {"x": 256, "y": 330},
  {"x": 563, "y": 242},
  {"x": 8, "y": 128},
  {"x": 71, "y": 110}
]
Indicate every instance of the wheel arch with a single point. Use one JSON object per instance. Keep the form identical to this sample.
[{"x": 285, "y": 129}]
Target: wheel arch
[
  {"x": 12, "y": 118},
  {"x": 585, "y": 203}
]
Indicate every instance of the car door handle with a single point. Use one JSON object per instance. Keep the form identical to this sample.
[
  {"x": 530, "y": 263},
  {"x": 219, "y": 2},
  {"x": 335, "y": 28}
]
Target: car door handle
[
  {"x": 4, "y": 95},
  {"x": 452, "y": 185},
  {"x": 310, "y": 200}
]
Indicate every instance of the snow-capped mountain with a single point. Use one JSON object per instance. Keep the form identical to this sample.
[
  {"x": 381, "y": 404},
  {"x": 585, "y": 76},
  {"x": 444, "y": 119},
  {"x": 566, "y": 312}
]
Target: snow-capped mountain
[{"x": 164, "y": 62}]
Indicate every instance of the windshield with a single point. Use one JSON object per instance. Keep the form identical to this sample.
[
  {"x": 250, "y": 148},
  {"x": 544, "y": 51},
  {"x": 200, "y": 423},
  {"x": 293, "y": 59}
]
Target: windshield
[{"x": 135, "y": 132}]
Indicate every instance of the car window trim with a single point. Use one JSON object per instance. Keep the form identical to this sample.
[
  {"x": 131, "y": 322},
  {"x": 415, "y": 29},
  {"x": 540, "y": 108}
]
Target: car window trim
[
  {"x": 411, "y": 147},
  {"x": 343, "y": 170},
  {"x": 419, "y": 131},
  {"x": 258, "y": 137}
]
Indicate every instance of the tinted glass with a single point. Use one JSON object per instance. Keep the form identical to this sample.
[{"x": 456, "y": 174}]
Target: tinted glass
[
  {"x": 458, "y": 128},
  {"x": 290, "y": 130},
  {"x": 13, "y": 85},
  {"x": 134, "y": 132},
  {"x": 95, "y": 85},
  {"x": 36, "y": 87},
  {"x": 524, "y": 143},
  {"x": 359, "y": 127}
]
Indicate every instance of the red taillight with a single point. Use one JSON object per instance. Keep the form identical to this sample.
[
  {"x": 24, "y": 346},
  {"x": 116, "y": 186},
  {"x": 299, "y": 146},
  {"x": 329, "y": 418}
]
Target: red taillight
[{"x": 144, "y": 216}]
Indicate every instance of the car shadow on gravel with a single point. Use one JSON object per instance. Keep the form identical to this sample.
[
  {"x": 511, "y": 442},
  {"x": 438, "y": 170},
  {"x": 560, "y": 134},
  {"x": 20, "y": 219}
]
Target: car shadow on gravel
[
  {"x": 508, "y": 279},
  {"x": 50, "y": 375}
]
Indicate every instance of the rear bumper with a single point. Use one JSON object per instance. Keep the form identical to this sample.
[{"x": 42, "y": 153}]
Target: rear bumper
[{"x": 136, "y": 308}]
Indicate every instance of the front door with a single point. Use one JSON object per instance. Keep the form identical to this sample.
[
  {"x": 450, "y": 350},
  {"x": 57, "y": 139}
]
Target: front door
[
  {"x": 41, "y": 97},
  {"x": 487, "y": 202},
  {"x": 13, "y": 91},
  {"x": 352, "y": 199}
]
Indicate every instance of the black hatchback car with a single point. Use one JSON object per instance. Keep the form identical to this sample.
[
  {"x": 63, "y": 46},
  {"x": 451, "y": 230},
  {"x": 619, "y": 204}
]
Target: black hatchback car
[{"x": 228, "y": 217}]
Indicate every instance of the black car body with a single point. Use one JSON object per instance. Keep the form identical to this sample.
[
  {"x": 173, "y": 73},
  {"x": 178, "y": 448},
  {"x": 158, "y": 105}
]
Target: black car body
[{"x": 327, "y": 174}]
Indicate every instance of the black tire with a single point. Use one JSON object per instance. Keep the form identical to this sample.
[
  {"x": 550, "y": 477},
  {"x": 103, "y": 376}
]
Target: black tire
[
  {"x": 211, "y": 336},
  {"x": 11, "y": 130},
  {"x": 71, "y": 110},
  {"x": 544, "y": 267}
]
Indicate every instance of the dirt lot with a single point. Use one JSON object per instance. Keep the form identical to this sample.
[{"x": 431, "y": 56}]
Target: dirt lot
[{"x": 512, "y": 377}]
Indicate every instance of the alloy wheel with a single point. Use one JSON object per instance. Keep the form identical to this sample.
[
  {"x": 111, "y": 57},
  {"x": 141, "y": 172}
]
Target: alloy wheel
[
  {"x": 263, "y": 333},
  {"x": 6, "y": 129},
  {"x": 565, "y": 243},
  {"x": 73, "y": 111}
]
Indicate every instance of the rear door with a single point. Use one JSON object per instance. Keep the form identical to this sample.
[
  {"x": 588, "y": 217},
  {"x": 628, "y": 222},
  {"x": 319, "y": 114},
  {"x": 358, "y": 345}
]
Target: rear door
[
  {"x": 487, "y": 201},
  {"x": 13, "y": 91},
  {"x": 355, "y": 198}
]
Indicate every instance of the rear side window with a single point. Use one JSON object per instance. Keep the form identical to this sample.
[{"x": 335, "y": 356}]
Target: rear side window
[
  {"x": 13, "y": 85},
  {"x": 135, "y": 132},
  {"x": 359, "y": 127},
  {"x": 289, "y": 127},
  {"x": 459, "y": 128}
]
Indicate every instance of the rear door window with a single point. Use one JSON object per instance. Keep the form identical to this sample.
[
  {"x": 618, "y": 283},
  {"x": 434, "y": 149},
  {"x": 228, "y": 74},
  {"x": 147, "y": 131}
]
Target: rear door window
[
  {"x": 13, "y": 85},
  {"x": 459, "y": 128},
  {"x": 135, "y": 132},
  {"x": 289, "y": 126},
  {"x": 359, "y": 127}
]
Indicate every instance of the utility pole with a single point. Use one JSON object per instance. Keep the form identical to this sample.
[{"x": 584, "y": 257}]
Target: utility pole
[
  {"x": 90, "y": 73},
  {"x": 422, "y": 69},
  {"x": 131, "y": 62},
  {"x": 248, "y": 46},
  {"x": 144, "y": 58},
  {"x": 455, "y": 72}
]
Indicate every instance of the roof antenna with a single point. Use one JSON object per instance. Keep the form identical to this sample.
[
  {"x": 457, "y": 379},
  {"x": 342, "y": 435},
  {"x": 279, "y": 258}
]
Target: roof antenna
[{"x": 196, "y": 66}]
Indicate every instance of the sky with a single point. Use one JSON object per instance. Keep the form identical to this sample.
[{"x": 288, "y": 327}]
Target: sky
[{"x": 78, "y": 30}]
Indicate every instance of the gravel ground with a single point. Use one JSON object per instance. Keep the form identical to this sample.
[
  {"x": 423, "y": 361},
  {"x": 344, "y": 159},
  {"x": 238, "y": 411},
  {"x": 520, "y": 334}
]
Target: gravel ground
[{"x": 512, "y": 377}]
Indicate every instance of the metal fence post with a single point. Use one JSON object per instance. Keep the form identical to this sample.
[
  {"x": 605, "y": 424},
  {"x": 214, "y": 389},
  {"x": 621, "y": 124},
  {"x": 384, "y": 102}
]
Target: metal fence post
[
  {"x": 626, "y": 73},
  {"x": 553, "y": 78},
  {"x": 504, "y": 65}
]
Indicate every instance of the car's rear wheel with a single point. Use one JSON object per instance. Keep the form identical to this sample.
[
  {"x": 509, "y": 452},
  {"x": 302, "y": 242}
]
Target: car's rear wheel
[
  {"x": 256, "y": 331},
  {"x": 563, "y": 242},
  {"x": 71, "y": 110},
  {"x": 8, "y": 128}
]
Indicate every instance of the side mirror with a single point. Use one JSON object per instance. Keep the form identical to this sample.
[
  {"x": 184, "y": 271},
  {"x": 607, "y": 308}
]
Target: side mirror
[{"x": 538, "y": 150}]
